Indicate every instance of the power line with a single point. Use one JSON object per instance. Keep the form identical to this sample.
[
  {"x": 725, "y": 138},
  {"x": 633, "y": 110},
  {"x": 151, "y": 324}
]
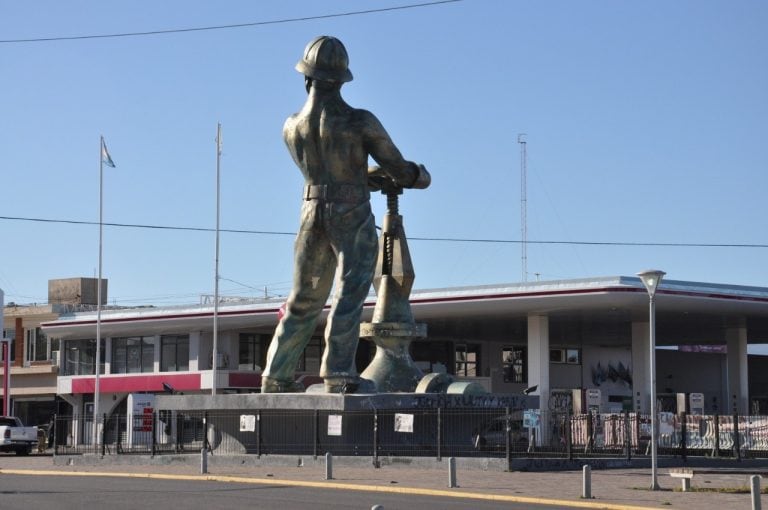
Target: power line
[
  {"x": 411, "y": 238},
  {"x": 156, "y": 227},
  {"x": 225, "y": 27}
]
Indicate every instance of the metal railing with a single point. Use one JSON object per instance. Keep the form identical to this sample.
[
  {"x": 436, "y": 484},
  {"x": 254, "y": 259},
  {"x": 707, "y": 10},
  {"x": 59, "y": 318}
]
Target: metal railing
[{"x": 451, "y": 432}]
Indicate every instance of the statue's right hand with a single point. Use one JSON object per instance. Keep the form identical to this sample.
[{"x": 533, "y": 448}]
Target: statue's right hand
[{"x": 378, "y": 179}]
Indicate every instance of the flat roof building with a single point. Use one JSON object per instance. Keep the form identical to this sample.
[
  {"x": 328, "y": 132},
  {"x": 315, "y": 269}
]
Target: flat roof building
[{"x": 558, "y": 336}]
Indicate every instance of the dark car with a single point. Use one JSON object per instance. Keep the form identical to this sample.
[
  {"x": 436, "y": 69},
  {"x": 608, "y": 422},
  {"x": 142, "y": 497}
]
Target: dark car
[{"x": 492, "y": 435}]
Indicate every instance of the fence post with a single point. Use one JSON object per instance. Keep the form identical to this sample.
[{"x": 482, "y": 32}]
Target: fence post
[
  {"x": 588, "y": 442},
  {"x": 439, "y": 434},
  {"x": 317, "y": 435},
  {"x": 258, "y": 433},
  {"x": 154, "y": 433},
  {"x": 508, "y": 438},
  {"x": 103, "y": 435},
  {"x": 627, "y": 435},
  {"x": 568, "y": 434},
  {"x": 736, "y": 444},
  {"x": 117, "y": 433},
  {"x": 55, "y": 443},
  {"x": 586, "y": 484},
  {"x": 178, "y": 431},
  {"x": 375, "y": 438},
  {"x": 755, "y": 491},
  {"x": 684, "y": 434},
  {"x": 717, "y": 436},
  {"x": 205, "y": 430},
  {"x": 532, "y": 441}
]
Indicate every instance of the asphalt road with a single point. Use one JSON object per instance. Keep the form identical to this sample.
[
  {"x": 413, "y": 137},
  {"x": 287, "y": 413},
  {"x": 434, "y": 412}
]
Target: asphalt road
[{"x": 19, "y": 492}]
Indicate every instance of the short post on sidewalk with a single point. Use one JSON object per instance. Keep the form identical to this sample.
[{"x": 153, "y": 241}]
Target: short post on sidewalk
[
  {"x": 328, "y": 466},
  {"x": 203, "y": 460},
  {"x": 755, "y": 486},
  {"x": 452, "y": 473},
  {"x": 586, "y": 486}
]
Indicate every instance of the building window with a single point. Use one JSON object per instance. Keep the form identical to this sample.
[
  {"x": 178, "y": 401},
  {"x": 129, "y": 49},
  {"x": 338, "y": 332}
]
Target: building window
[
  {"x": 310, "y": 358},
  {"x": 569, "y": 356},
  {"x": 174, "y": 353},
  {"x": 573, "y": 356},
  {"x": 467, "y": 360},
  {"x": 253, "y": 351},
  {"x": 38, "y": 346},
  {"x": 79, "y": 356},
  {"x": 132, "y": 355},
  {"x": 515, "y": 360},
  {"x": 10, "y": 334}
]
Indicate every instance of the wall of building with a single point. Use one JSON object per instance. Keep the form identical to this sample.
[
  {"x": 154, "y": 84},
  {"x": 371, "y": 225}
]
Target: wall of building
[{"x": 692, "y": 372}]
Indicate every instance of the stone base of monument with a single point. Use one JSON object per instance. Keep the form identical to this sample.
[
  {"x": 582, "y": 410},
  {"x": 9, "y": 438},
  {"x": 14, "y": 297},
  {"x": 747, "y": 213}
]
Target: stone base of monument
[{"x": 396, "y": 424}]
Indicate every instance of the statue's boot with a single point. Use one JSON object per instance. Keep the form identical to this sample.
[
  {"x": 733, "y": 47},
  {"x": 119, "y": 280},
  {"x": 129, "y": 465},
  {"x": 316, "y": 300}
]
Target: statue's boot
[
  {"x": 269, "y": 385},
  {"x": 347, "y": 385}
]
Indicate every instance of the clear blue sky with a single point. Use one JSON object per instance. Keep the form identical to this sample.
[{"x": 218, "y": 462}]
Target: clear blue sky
[{"x": 646, "y": 122}]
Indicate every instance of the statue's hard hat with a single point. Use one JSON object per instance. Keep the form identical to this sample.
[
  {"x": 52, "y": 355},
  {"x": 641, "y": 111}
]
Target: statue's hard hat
[{"x": 325, "y": 58}]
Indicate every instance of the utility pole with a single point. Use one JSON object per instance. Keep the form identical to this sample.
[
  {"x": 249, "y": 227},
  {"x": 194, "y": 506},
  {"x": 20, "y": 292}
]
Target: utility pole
[
  {"x": 215, "y": 352},
  {"x": 523, "y": 204}
]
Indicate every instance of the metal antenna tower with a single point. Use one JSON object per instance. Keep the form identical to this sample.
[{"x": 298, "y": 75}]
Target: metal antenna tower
[{"x": 523, "y": 204}]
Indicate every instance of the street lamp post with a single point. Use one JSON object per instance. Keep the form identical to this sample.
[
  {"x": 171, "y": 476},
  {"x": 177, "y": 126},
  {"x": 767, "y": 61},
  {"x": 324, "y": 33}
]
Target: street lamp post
[{"x": 651, "y": 279}]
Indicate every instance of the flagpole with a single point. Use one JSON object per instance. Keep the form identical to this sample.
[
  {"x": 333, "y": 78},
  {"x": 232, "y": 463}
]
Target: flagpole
[
  {"x": 215, "y": 354},
  {"x": 97, "y": 362}
]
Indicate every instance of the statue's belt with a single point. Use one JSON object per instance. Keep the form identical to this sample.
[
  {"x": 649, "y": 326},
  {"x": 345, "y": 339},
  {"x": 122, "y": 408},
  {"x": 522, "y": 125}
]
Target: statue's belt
[{"x": 336, "y": 192}]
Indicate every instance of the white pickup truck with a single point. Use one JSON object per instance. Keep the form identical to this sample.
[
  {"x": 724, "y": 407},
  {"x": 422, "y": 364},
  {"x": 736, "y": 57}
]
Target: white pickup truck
[{"x": 15, "y": 437}]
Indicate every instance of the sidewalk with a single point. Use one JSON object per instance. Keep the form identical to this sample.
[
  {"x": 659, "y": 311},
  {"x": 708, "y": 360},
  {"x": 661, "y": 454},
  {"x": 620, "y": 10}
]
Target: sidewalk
[{"x": 611, "y": 488}]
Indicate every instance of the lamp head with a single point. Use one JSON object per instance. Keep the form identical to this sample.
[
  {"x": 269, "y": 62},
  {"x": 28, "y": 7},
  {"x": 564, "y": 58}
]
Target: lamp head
[{"x": 651, "y": 278}]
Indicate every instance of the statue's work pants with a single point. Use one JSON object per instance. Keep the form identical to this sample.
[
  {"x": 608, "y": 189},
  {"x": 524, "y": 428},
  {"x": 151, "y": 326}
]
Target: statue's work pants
[{"x": 336, "y": 238}]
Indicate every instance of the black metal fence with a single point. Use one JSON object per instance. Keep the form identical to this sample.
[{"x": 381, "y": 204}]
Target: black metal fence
[{"x": 452, "y": 432}]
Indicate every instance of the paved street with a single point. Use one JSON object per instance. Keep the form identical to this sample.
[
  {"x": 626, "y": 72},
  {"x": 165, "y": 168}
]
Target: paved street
[
  {"x": 22, "y": 492},
  {"x": 616, "y": 488}
]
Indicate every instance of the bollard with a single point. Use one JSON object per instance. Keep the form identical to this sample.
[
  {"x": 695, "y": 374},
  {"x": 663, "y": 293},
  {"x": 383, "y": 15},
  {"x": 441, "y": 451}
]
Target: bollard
[
  {"x": 586, "y": 486},
  {"x": 452, "y": 472},
  {"x": 328, "y": 466},
  {"x": 755, "y": 483},
  {"x": 203, "y": 461}
]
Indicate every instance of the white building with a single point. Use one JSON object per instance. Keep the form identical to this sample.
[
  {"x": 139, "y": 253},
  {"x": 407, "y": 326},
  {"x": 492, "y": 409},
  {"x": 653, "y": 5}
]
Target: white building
[{"x": 557, "y": 336}]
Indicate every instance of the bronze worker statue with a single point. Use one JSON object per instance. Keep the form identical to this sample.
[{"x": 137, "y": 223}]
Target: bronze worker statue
[{"x": 331, "y": 142}]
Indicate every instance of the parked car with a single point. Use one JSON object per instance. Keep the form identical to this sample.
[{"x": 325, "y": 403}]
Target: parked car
[
  {"x": 15, "y": 437},
  {"x": 492, "y": 435}
]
